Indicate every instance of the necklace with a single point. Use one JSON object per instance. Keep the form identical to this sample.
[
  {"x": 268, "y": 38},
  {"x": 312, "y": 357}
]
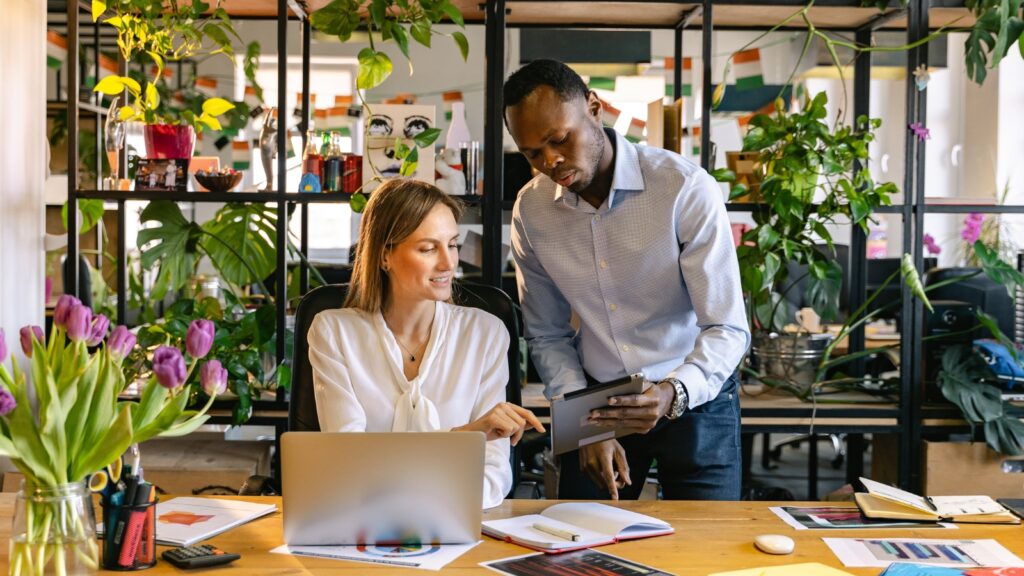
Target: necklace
[{"x": 412, "y": 356}]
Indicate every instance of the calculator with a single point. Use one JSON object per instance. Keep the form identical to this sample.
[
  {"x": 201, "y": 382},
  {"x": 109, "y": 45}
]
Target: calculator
[{"x": 200, "y": 556}]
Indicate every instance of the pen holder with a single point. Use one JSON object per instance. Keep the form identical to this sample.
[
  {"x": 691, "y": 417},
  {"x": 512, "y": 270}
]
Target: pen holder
[{"x": 129, "y": 536}]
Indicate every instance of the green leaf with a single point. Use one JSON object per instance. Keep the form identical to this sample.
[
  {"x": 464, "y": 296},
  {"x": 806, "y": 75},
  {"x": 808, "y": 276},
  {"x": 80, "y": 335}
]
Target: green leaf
[
  {"x": 209, "y": 121},
  {"x": 374, "y": 68},
  {"x": 717, "y": 96},
  {"x": 125, "y": 112},
  {"x": 420, "y": 31},
  {"x": 409, "y": 163},
  {"x": 358, "y": 202},
  {"x": 453, "y": 13},
  {"x": 427, "y": 137},
  {"x": 216, "y": 106},
  {"x": 284, "y": 376},
  {"x": 960, "y": 383},
  {"x": 240, "y": 241},
  {"x": 378, "y": 12},
  {"x": 823, "y": 288},
  {"x": 1005, "y": 435},
  {"x": 723, "y": 175},
  {"x": 116, "y": 439},
  {"x": 463, "y": 44},
  {"x": 175, "y": 240},
  {"x": 91, "y": 211},
  {"x": 913, "y": 281},
  {"x": 400, "y": 38}
]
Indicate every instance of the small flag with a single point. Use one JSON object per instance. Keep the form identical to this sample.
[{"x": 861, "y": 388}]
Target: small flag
[
  {"x": 241, "y": 157},
  {"x": 635, "y": 132},
  {"x": 342, "y": 100},
  {"x": 56, "y": 49},
  {"x": 337, "y": 118},
  {"x": 670, "y": 76},
  {"x": 609, "y": 114},
  {"x": 403, "y": 98},
  {"x": 108, "y": 66},
  {"x": 601, "y": 83},
  {"x": 695, "y": 135},
  {"x": 319, "y": 118},
  {"x": 206, "y": 86},
  {"x": 250, "y": 97},
  {"x": 748, "y": 69},
  {"x": 449, "y": 98}
]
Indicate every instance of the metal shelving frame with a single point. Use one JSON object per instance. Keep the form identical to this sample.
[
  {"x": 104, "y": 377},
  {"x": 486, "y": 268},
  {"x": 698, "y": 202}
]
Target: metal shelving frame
[{"x": 496, "y": 17}]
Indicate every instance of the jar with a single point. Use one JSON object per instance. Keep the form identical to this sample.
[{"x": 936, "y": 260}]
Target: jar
[{"x": 54, "y": 531}]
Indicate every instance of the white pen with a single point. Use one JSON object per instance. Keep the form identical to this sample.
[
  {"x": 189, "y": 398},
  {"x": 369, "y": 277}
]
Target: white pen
[{"x": 556, "y": 532}]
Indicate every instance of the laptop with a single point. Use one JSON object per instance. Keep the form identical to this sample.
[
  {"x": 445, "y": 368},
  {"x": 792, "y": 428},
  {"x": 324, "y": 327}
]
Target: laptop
[{"x": 349, "y": 488}]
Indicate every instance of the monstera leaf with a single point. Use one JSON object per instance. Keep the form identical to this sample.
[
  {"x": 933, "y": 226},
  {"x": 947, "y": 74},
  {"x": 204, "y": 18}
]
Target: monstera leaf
[
  {"x": 960, "y": 383},
  {"x": 240, "y": 240},
  {"x": 174, "y": 242}
]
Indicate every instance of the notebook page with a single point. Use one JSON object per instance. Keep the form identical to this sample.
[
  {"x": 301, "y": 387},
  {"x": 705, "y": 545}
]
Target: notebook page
[
  {"x": 606, "y": 519},
  {"x": 965, "y": 505},
  {"x": 895, "y": 494},
  {"x": 521, "y": 528}
]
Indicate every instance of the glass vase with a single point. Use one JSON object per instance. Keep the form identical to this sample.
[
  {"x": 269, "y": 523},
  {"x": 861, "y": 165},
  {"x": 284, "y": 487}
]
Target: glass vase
[{"x": 54, "y": 531}]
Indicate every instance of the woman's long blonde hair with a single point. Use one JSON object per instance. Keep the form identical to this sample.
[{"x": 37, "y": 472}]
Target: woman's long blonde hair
[{"x": 395, "y": 210}]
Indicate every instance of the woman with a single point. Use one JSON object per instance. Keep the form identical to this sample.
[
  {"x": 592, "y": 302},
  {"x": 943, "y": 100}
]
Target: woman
[{"x": 399, "y": 356}]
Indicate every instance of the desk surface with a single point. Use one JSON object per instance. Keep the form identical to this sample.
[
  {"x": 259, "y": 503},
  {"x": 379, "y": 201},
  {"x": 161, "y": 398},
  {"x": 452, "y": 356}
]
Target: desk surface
[{"x": 710, "y": 537}]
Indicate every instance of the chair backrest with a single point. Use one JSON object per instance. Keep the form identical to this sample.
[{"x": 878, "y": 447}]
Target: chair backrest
[{"x": 302, "y": 404}]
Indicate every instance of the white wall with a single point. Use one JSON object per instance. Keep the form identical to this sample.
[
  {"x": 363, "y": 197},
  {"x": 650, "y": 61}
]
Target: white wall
[{"x": 23, "y": 155}]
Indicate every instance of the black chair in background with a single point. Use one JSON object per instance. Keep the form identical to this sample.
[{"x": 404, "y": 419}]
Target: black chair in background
[{"x": 302, "y": 414}]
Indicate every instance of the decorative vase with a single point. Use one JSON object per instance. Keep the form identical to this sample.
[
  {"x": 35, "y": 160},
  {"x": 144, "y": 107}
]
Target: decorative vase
[
  {"x": 169, "y": 141},
  {"x": 54, "y": 531}
]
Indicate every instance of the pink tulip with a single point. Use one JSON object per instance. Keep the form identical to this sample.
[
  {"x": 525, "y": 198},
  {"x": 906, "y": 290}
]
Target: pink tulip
[
  {"x": 79, "y": 323},
  {"x": 98, "y": 330},
  {"x": 214, "y": 378},
  {"x": 7, "y": 402},
  {"x": 3, "y": 346},
  {"x": 27, "y": 332},
  {"x": 64, "y": 305},
  {"x": 199, "y": 338},
  {"x": 120, "y": 343},
  {"x": 169, "y": 366}
]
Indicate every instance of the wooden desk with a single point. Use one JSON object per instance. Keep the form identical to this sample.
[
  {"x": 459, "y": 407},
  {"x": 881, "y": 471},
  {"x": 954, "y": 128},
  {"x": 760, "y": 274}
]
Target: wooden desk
[{"x": 710, "y": 537}]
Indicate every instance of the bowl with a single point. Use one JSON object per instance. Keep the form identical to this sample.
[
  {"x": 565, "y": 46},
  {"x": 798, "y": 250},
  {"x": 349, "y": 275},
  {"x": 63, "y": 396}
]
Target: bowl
[{"x": 219, "y": 182}]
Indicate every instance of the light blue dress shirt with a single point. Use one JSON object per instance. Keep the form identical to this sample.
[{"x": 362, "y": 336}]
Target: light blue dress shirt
[{"x": 652, "y": 276}]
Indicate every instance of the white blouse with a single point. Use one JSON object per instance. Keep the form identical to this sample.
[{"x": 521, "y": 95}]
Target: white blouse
[{"x": 360, "y": 386}]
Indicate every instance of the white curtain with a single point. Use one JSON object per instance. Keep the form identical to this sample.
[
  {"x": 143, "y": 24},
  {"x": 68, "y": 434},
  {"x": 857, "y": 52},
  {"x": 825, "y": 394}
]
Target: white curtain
[{"x": 22, "y": 165}]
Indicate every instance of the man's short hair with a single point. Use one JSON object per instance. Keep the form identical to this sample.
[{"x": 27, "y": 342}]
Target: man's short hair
[{"x": 566, "y": 83}]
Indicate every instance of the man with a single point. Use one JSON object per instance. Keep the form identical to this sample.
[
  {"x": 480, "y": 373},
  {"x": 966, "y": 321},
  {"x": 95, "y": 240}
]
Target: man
[{"x": 636, "y": 241}]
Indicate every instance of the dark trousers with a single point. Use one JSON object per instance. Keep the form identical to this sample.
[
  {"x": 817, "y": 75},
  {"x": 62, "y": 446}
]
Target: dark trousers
[{"x": 698, "y": 456}]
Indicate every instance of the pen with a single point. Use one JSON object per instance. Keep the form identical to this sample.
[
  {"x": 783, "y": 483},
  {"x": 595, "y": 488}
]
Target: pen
[
  {"x": 931, "y": 503},
  {"x": 556, "y": 532}
]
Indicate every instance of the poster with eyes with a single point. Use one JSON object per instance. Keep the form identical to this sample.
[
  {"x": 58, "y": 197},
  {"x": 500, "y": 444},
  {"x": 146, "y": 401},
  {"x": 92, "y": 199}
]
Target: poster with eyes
[{"x": 386, "y": 123}]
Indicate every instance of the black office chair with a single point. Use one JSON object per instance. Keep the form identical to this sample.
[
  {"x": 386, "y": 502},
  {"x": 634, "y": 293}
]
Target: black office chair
[{"x": 302, "y": 414}]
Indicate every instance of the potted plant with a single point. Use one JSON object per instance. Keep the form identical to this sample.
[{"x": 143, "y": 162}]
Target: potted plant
[
  {"x": 156, "y": 32},
  {"x": 814, "y": 175},
  {"x": 394, "y": 20}
]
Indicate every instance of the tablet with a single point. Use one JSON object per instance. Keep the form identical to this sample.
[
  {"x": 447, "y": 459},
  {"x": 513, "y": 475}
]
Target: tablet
[
  {"x": 569, "y": 412},
  {"x": 1015, "y": 505}
]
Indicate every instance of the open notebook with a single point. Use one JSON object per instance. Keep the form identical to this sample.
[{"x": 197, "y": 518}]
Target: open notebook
[
  {"x": 594, "y": 524},
  {"x": 882, "y": 501}
]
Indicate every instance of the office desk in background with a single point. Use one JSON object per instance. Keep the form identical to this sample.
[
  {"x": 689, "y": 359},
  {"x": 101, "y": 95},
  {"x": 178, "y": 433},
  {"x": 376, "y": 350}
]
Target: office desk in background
[{"x": 710, "y": 537}]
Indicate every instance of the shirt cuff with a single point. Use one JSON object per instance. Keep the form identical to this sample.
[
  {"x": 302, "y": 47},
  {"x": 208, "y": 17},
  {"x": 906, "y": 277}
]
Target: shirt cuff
[{"x": 696, "y": 384}]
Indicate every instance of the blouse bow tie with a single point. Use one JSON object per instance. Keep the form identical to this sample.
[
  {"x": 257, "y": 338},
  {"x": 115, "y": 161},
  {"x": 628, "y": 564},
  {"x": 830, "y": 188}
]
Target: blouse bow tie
[{"x": 414, "y": 412}]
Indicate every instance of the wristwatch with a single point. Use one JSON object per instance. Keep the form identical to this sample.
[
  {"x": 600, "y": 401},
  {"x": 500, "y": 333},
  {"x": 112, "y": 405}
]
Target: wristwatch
[{"x": 681, "y": 400}]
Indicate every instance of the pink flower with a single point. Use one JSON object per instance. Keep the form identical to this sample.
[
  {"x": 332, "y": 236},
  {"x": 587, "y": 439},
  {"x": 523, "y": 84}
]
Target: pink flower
[
  {"x": 120, "y": 343},
  {"x": 64, "y": 305},
  {"x": 27, "y": 332},
  {"x": 199, "y": 338},
  {"x": 972, "y": 227},
  {"x": 3, "y": 346},
  {"x": 7, "y": 402},
  {"x": 79, "y": 323},
  {"x": 931, "y": 245},
  {"x": 214, "y": 378},
  {"x": 169, "y": 367},
  {"x": 98, "y": 330}
]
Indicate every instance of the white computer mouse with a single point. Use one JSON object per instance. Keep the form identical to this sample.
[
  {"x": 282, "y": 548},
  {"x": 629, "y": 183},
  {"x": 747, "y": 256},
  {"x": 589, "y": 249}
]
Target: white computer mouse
[{"x": 774, "y": 543}]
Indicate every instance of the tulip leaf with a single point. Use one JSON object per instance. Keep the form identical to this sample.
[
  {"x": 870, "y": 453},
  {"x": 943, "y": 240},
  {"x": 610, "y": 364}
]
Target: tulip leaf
[
  {"x": 153, "y": 398},
  {"x": 913, "y": 281},
  {"x": 86, "y": 389},
  {"x": 186, "y": 426},
  {"x": 169, "y": 414},
  {"x": 7, "y": 447},
  {"x": 116, "y": 439}
]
